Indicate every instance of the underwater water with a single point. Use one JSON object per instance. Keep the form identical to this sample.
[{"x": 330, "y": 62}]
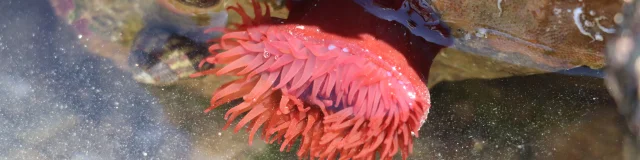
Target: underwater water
[{"x": 59, "y": 99}]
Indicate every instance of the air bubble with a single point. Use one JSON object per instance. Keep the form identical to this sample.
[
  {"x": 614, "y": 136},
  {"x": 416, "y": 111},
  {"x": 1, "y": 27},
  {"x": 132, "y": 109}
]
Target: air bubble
[
  {"x": 412, "y": 95},
  {"x": 266, "y": 54}
]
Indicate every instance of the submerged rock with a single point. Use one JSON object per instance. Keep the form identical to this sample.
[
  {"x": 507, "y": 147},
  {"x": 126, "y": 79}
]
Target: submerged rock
[
  {"x": 500, "y": 38},
  {"x": 127, "y": 32}
]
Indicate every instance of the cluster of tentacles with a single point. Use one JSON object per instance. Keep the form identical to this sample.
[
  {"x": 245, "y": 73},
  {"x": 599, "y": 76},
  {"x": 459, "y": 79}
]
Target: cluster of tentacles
[{"x": 338, "y": 100}]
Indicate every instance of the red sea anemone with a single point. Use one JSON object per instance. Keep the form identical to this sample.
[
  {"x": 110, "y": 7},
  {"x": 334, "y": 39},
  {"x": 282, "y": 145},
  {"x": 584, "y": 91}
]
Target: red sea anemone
[{"x": 335, "y": 77}]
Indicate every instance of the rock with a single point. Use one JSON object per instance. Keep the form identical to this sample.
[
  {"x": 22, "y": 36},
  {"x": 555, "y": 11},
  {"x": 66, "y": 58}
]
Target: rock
[{"x": 508, "y": 37}]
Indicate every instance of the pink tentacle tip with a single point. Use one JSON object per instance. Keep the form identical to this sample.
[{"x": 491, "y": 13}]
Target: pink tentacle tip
[
  {"x": 209, "y": 109},
  {"x": 201, "y": 63},
  {"x": 211, "y": 60},
  {"x": 195, "y": 75}
]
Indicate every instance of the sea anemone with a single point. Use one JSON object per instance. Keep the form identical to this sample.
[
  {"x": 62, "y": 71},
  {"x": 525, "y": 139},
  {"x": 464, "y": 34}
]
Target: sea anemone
[{"x": 346, "y": 97}]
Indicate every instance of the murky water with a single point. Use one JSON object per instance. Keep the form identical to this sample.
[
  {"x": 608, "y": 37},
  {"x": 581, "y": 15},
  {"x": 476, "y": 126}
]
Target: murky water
[
  {"x": 58, "y": 101},
  {"x": 61, "y": 99}
]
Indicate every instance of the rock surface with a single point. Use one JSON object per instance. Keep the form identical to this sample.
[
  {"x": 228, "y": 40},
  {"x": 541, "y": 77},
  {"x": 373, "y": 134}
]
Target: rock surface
[{"x": 499, "y": 38}]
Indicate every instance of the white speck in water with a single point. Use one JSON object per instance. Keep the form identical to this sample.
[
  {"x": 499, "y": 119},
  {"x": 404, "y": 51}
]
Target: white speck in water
[
  {"x": 482, "y": 32},
  {"x": 467, "y": 36},
  {"x": 345, "y": 50},
  {"x": 557, "y": 11},
  {"x": 379, "y": 57},
  {"x": 598, "y": 37},
  {"x": 300, "y": 27},
  {"x": 394, "y": 68},
  {"x": 618, "y": 18},
  {"x": 144, "y": 154},
  {"x": 331, "y": 47},
  {"x": 219, "y": 133},
  {"x": 79, "y": 36}
]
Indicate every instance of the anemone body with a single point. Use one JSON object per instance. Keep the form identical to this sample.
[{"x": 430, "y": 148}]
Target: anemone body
[{"x": 341, "y": 97}]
